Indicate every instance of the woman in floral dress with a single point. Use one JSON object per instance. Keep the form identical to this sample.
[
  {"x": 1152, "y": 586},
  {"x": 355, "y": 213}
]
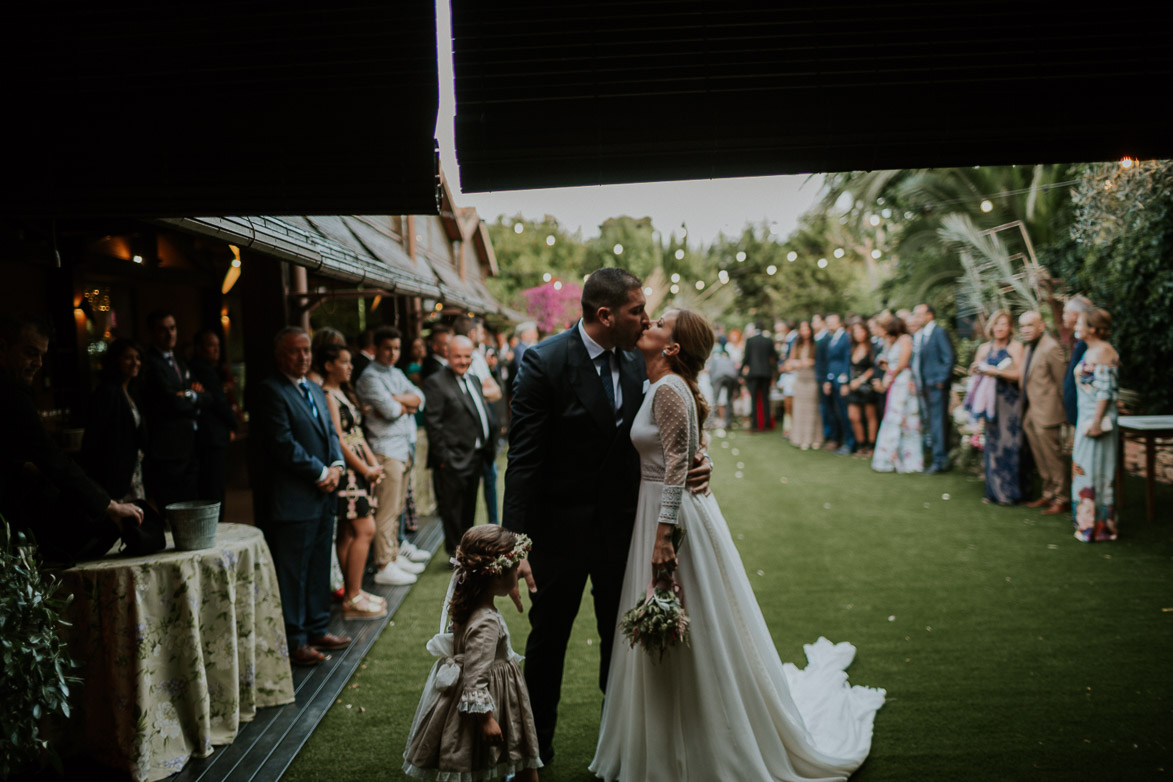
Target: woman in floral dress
[
  {"x": 1093, "y": 469},
  {"x": 1001, "y": 359},
  {"x": 899, "y": 445}
]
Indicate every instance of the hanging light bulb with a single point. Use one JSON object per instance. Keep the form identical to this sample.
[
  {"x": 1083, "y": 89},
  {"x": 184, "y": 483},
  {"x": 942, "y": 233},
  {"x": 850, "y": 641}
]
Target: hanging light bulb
[
  {"x": 680, "y": 255},
  {"x": 792, "y": 256},
  {"x": 771, "y": 270},
  {"x": 876, "y": 254},
  {"x": 839, "y": 253},
  {"x": 675, "y": 278},
  {"x": 741, "y": 256},
  {"x": 700, "y": 285},
  {"x": 550, "y": 240},
  {"x": 675, "y": 289},
  {"x": 723, "y": 276},
  {"x": 558, "y": 285},
  {"x": 822, "y": 263},
  {"x": 518, "y": 228},
  {"x": 547, "y": 277},
  {"x": 987, "y": 205}
]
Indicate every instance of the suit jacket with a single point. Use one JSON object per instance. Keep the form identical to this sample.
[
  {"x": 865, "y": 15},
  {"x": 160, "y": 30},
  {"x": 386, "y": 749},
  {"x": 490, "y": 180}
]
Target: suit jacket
[
  {"x": 296, "y": 447},
  {"x": 761, "y": 357},
  {"x": 110, "y": 445},
  {"x": 454, "y": 425},
  {"x": 1045, "y": 367},
  {"x": 935, "y": 358},
  {"x": 172, "y": 417},
  {"x": 837, "y": 357},
  {"x": 430, "y": 366},
  {"x": 217, "y": 419},
  {"x": 1069, "y": 387},
  {"x": 821, "y": 358},
  {"x": 573, "y": 475}
]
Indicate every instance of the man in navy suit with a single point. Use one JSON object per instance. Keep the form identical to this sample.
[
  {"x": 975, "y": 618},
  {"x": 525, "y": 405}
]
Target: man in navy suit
[
  {"x": 302, "y": 465},
  {"x": 573, "y": 478},
  {"x": 819, "y": 327},
  {"x": 837, "y": 360},
  {"x": 935, "y": 369}
]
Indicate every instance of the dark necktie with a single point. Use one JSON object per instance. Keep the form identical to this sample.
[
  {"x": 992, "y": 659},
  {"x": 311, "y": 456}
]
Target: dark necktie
[
  {"x": 608, "y": 381},
  {"x": 309, "y": 399},
  {"x": 175, "y": 366},
  {"x": 480, "y": 412}
]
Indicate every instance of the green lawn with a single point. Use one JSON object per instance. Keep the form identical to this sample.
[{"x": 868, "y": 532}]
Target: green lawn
[{"x": 1008, "y": 649}]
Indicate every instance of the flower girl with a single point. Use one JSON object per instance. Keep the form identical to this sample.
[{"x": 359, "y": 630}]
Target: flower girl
[{"x": 474, "y": 720}]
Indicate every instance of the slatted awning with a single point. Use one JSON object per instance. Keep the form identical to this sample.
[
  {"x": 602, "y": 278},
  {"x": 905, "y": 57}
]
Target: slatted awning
[{"x": 578, "y": 93}]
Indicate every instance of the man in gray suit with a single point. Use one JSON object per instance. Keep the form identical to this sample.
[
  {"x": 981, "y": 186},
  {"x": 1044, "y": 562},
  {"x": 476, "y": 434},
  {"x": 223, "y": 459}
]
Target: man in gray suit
[
  {"x": 460, "y": 439},
  {"x": 302, "y": 466}
]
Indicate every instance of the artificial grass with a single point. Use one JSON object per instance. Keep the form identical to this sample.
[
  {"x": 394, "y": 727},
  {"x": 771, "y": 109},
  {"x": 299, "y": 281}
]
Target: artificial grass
[{"x": 1009, "y": 650}]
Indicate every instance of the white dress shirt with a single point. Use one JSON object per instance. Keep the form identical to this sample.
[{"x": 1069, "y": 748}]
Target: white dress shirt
[{"x": 594, "y": 350}]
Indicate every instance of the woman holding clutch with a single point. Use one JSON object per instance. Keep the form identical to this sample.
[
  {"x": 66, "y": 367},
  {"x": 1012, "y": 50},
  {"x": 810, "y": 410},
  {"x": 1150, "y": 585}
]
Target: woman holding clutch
[
  {"x": 1093, "y": 468},
  {"x": 1001, "y": 359}
]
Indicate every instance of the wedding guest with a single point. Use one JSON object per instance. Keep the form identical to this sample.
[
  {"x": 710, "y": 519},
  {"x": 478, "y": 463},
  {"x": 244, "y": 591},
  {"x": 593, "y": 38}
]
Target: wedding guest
[
  {"x": 826, "y": 411},
  {"x": 1075, "y": 306},
  {"x": 527, "y": 337},
  {"x": 758, "y": 369},
  {"x": 786, "y": 336},
  {"x": 217, "y": 418},
  {"x": 1096, "y": 434},
  {"x": 323, "y": 337},
  {"x": 356, "y": 501},
  {"x": 115, "y": 437},
  {"x": 723, "y": 375},
  {"x": 933, "y": 359},
  {"x": 415, "y": 364},
  {"x": 300, "y": 472},
  {"x": 437, "y": 358},
  {"x": 365, "y": 355},
  {"x": 899, "y": 443},
  {"x": 474, "y": 330},
  {"x": 390, "y": 429},
  {"x": 806, "y": 425},
  {"x": 171, "y": 404},
  {"x": 838, "y": 368},
  {"x": 69, "y": 515},
  {"x": 1001, "y": 359},
  {"x": 1042, "y": 394},
  {"x": 460, "y": 439},
  {"x": 861, "y": 397}
]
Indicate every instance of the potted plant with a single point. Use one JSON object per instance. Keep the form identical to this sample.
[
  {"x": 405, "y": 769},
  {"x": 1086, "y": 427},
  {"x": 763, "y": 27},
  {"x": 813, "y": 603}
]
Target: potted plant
[{"x": 34, "y": 658}]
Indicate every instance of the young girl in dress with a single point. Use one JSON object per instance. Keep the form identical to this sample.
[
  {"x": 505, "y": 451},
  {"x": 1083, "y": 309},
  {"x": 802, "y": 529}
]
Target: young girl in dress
[{"x": 474, "y": 721}]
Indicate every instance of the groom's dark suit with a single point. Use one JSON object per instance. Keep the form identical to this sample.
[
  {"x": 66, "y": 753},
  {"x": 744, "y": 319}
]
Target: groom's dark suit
[{"x": 571, "y": 485}]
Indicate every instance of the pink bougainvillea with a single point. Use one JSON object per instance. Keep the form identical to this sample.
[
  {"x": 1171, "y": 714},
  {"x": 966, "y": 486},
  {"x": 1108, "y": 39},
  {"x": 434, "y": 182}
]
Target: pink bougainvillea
[{"x": 553, "y": 309}]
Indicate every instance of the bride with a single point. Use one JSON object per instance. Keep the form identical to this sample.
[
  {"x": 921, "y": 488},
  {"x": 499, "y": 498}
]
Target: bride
[{"x": 724, "y": 707}]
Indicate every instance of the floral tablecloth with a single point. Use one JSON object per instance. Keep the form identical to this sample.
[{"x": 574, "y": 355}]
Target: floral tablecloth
[{"x": 177, "y": 650}]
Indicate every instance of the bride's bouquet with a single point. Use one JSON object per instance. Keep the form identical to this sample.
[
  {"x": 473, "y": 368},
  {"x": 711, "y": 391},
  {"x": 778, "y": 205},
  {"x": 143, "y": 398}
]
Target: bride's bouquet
[{"x": 659, "y": 621}]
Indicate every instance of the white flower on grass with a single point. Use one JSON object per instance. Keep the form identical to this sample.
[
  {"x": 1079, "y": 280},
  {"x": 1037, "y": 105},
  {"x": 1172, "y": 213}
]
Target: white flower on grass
[
  {"x": 827, "y": 506},
  {"x": 891, "y": 619},
  {"x": 945, "y": 496},
  {"x": 738, "y": 474},
  {"x": 741, "y": 465},
  {"x": 735, "y": 451}
]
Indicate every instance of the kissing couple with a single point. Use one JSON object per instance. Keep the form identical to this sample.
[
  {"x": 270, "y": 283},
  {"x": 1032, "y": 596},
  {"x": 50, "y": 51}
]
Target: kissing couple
[{"x": 605, "y": 464}]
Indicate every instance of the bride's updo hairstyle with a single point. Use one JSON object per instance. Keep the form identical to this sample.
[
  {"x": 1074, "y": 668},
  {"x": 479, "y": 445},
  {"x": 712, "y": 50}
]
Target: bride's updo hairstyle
[
  {"x": 695, "y": 337},
  {"x": 475, "y": 556}
]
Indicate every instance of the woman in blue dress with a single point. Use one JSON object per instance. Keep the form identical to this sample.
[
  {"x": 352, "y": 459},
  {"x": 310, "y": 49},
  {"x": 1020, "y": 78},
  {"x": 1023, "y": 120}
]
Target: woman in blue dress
[
  {"x": 1001, "y": 359},
  {"x": 1093, "y": 459}
]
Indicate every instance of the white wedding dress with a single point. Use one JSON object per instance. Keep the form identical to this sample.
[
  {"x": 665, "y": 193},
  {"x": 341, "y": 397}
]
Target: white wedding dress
[{"x": 725, "y": 707}]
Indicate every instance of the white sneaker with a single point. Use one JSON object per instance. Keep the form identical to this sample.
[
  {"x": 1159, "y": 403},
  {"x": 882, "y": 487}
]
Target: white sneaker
[
  {"x": 407, "y": 566},
  {"x": 393, "y": 576},
  {"x": 414, "y": 554}
]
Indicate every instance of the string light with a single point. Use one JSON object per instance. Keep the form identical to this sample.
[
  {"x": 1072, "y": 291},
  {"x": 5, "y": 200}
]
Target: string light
[
  {"x": 647, "y": 291},
  {"x": 617, "y": 249},
  {"x": 839, "y": 253},
  {"x": 675, "y": 289},
  {"x": 741, "y": 256},
  {"x": 771, "y": 270},
  {"x": 558, "y": 285},
  {"x": 987, "y": 205},
  {"x": 680, "y": 255},
  {"x": 822, "y": 263},
  {"x": 723, "y": 276},
  {"x": 675, "y": 278},
  {"x": 550, "y": 240},
  {"x": 700, "y": 285},
  {"x": 874, "y": 219},
  {"x": 518, "y": 228},
  {"x": 547, "y": 277},
  {"x": 876, "y": 254},
  {"x": 792, "y": 256}
]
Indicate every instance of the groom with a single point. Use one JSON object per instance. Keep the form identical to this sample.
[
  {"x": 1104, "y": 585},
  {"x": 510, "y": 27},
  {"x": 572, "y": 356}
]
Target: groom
[{"x": 573, "y": 477}]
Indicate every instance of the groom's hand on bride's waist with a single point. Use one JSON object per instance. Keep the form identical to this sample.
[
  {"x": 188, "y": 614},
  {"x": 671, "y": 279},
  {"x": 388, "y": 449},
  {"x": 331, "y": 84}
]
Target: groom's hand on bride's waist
[
  {"x": 699, "y": 473},
  {"x": 523, "y": 573}
]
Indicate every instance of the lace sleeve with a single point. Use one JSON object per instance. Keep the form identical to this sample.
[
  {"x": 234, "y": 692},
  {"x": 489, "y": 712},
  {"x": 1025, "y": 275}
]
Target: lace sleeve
[
  {"x": 671, "y": 412},
  {"x": 480, "y": 648}
]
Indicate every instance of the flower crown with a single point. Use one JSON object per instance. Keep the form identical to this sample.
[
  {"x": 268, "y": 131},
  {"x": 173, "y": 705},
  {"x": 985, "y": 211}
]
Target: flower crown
[{"x": 521, "y": 546}]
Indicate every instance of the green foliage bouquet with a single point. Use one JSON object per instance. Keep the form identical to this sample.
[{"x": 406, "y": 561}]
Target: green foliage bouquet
[
  {"x": 659, "y": 621},
  {"x": 35, "y": 661}
]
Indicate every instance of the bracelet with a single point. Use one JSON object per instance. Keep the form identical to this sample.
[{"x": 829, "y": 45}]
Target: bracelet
[{"x": 712, "y": 467}]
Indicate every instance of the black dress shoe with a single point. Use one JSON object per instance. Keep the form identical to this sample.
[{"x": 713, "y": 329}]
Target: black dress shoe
[{"x": 546, "y": 754}]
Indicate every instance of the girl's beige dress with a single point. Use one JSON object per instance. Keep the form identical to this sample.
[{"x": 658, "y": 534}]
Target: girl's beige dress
[{"x": 477, "y": 672}]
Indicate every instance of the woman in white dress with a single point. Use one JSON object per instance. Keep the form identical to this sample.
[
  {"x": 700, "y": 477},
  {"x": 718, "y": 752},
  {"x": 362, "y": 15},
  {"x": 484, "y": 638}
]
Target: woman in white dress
[
  {"x": 724, "y": 707},
  {"x": 900, "y": 443}
]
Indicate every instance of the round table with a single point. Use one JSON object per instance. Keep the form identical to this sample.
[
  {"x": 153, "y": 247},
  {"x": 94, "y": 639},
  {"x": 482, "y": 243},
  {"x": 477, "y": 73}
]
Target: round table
[{"x": 176, "y": 650}]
